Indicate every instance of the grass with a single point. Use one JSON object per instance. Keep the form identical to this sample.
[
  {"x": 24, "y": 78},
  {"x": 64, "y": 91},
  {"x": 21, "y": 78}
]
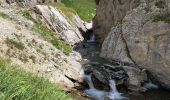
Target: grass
[
  {"x": 16, "y": 84},
  {"x": 15, "y": 43},
  {"x": 86, "y": 9},
  {"x": 49, "y": 34},
  {"x": 66, "y": 10}
]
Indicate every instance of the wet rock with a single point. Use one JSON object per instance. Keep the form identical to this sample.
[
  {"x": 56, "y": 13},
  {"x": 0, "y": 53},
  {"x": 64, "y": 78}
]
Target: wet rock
[
  {"x": 102, "y": 74},
  {"x": 136, "y": 77}
]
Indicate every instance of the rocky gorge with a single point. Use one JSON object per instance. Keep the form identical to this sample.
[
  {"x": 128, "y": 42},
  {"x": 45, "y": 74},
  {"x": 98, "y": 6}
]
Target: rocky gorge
[{"x": 125, "y": 48}]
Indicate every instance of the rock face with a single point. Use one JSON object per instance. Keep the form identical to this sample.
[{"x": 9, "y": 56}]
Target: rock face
[
  {"x": 143, "y": 38},
  {"x": 109, "y": 13},
  {"x": 26, "y": 48},
  {"x": 60, "y": 24}
]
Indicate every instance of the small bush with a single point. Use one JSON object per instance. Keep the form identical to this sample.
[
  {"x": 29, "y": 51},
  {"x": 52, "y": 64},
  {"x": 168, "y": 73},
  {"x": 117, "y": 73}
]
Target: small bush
[
  {"x": 5, "y": 16},
  {"x": 16, "y": 84},
  {"x": 163, "y": 17},
  {"x": 17, "y": 44},
  {"x": 160, "y": 4}
]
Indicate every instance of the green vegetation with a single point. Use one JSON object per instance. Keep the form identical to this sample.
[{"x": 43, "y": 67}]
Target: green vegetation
[
  {"x": 86, "y": 9},
  {"x": 16, "y": 84},
  {"x": 15, "y": 43},
  {"x": 160, "y": 4},
  {"x": 66, "y": 10},
  {"x": 49, "y": 34},
  {"x": 162, "y": 17},
  {"x": 5, "y": 16}
]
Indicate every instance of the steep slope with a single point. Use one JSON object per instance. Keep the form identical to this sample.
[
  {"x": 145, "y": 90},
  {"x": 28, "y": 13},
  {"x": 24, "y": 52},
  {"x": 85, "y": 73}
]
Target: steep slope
[{"x": 24, "y": 44}]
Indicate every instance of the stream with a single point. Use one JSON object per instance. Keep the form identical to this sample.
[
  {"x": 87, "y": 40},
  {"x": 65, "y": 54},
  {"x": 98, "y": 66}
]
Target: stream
[{"x": 90, "y": 52}]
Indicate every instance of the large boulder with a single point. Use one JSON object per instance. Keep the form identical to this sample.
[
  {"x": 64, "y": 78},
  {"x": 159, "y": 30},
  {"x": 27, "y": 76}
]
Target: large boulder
[
  {"x": 144, "y": 39},
  {"x": 109, "y": 13}
]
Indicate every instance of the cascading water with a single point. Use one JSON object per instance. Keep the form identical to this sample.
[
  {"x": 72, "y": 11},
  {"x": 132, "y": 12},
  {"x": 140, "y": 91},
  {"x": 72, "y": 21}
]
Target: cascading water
[
  {"x": 92, "y": 38},
  {"x": 99, "y": 94}
]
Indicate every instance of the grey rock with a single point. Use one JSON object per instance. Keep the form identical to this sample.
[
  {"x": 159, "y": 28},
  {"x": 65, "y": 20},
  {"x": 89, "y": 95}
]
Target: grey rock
[
  {"x": 141, "y": 40},
  {"x": 58, "y": 23},
  {"x": 136, "y": 77}
]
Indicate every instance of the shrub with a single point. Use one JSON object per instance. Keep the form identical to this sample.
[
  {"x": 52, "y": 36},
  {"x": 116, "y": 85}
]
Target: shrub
[
  {"x": 15, "y": 43},
  {"x": 160, "y": 4},
  {"x": 162, "y": 17}
]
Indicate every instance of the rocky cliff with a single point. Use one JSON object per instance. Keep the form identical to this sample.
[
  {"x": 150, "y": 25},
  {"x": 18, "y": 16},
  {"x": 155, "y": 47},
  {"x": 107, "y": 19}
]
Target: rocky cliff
[
  {"x": 40, "y": 40},
  {"x": 141, "y": 37}
]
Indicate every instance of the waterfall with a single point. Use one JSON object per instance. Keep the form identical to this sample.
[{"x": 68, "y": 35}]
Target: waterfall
[
  {"x": 87, "y": 78},
  {"x": 114, "y": 94},
  {"x": 102, "y": 95},
  {"x": 92, "y": 38}
]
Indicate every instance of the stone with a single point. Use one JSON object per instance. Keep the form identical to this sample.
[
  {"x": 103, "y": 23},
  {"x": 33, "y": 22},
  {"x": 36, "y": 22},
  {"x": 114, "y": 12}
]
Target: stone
[
  {"x": 109, "y": 13},
  {"x": 141, "y": 40},
  {"x": 66, "y": 31},
  {"x": 136, "y": 77}
]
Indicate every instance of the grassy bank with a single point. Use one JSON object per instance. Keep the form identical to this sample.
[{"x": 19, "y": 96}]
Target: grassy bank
[
  {"x": 16, "y": 84},
  {"x": 84, "y": 8}
]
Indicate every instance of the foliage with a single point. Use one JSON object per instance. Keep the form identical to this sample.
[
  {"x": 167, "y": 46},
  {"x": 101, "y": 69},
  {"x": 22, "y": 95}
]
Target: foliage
[
  {"x": 16, "y": 84},
  {"x": 85, "y": 8}
]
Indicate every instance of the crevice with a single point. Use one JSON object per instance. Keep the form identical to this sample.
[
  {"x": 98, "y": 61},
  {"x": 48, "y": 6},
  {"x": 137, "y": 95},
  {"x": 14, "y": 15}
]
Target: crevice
[
  {"x": 71, "y": 79},
  {"x": 127, "y": 49}
]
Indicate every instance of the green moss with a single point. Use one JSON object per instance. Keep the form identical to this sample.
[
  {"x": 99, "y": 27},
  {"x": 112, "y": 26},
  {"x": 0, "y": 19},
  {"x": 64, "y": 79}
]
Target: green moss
[
  {"x": 15, "y": 43},
  {"x": 160, "y": 4},
  {"x": 49, "y": 34},
  {"x": 5, "y": 16},
  {"x": 16, "y": 84},
  {"x": 86, "y": 9},
  {"x": 163, "y": 17}
]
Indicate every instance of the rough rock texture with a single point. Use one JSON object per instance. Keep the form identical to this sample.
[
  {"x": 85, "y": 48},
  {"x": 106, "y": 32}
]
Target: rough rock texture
[
  {"x": 129, "y": 76},
  {"x": 136, "y": 78},
  {"x": 28, "y": 49},
  {"x": 26, "y": 3},
  {"x": 58, "y": 22},
  {"x": 109, "y": 13},
  {"x": 144, "y": 39}
]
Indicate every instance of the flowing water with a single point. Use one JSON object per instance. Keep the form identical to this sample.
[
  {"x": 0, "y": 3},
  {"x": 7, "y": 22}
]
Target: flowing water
[
  {"x": 92, "y": 55},
  {"x": 99, "y": 94}
]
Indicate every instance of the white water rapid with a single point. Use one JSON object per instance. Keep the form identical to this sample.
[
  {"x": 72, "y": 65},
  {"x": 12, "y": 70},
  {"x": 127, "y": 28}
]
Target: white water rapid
[
  {"x": 92, "y": 38},
  {"x": 102, "y": 95}
]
